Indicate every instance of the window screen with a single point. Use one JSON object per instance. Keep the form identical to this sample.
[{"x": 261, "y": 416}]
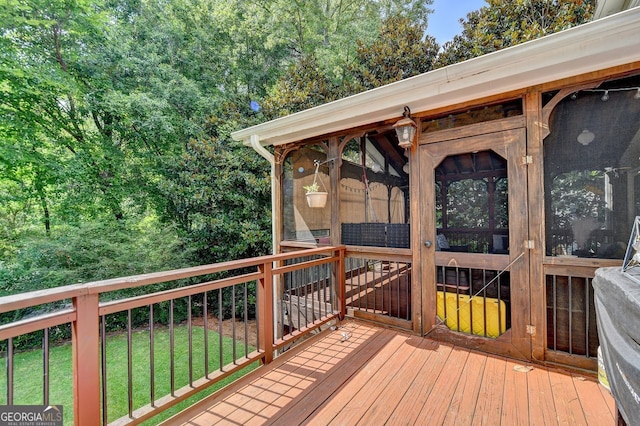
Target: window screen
[{"x": 591, "y": 166}]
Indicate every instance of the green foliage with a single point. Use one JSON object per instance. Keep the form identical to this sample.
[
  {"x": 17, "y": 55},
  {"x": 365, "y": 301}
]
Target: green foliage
[
  {"x": 92, "y": 252},
  {"x": 314, "y": 187},
  {"x": 400, "y": 51},
  {"x": 303, "y": 86},
  {"x": 501, "y": 24},
  {"x": 221, "y": 196}
]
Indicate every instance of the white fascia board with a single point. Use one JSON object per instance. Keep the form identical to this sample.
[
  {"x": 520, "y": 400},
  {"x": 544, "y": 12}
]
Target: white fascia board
[{"x": 597, "y": 45}]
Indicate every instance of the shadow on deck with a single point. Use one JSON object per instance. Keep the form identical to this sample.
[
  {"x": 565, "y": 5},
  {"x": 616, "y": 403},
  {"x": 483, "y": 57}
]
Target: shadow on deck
[{"x": 364, "y": 374}]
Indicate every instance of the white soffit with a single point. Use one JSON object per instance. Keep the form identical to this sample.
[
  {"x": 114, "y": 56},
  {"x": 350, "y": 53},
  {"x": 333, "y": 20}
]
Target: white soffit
[
  {"x": 609, "y": 7},
  {"x": 607, "y": 42}
]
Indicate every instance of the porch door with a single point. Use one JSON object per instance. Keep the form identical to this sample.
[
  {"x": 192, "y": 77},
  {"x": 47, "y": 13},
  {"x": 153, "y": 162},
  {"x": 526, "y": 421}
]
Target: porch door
[{"x": 473, "y": 227}]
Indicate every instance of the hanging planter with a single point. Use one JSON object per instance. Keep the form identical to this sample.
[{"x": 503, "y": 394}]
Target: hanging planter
[{"x": 315, "y": 197}]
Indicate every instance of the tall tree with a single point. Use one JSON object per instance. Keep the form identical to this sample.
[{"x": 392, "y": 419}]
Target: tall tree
[
  {"x": 99, "y": 97},
  {"x": 501, "y": 24},
  {"x": 43, "y": 120},
  {"x": 221, "y": 195},
  {"x": 400, "y": 51}
]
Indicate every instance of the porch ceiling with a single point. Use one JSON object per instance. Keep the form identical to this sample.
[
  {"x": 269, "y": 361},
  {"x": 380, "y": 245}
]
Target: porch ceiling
[{"x": 604, "y": 43}]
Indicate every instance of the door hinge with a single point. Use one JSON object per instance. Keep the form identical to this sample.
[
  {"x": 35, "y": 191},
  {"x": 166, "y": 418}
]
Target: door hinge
[
  {"x": 529, "y": 244},
  {"x": 531, "y": 329},
  {"x": 527, "y": 159}
]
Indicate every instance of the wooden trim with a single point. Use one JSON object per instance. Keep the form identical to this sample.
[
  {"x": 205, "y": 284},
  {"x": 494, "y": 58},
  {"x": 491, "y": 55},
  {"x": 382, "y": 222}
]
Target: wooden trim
[
  {"x": 298, "y": 245},
  {"x": 41, "y": 297},
  {"x": 473, "y": 103},
  {"x": 383, "y": 320},
  {"x": 503, "y": 345},
  {"x": 29, "y": 325},
  {"x": 426, "y": 260},
  {"x": 565, "y": 359},
  {"x": 521, "y": 302},
  {"x": 393, "y": 255},
  {"x": 570, "y": 270},
  {"x": 611, "y": 73},
  {"x": 496, "y": 262},
  {"x": 493, "y": 126},
  {"x": 302, "y": 265},
  {"x": 581, "y": 262},
  {"x": 563, "y": 93}
]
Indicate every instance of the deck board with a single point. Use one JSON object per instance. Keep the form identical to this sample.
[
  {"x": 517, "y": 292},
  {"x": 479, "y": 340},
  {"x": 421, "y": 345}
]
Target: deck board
[
  {"x": 463, "y": 404},
  {"x": 542, "y": 409},
  {"x": 598, "y": 406},
  {"x": 364, "y": 374},
  {"x": 419, "y": 390},
  {"x": 364, "y": 388},
  {"x": 436, "y": 407},
  {"x": 489, "y": 405},
  {"x": 515, "y": 406},
  {"x": 566, "y": 399},
  {"x": 384, "y": 405}
]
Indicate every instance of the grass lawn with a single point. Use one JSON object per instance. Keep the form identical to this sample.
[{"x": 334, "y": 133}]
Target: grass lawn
[{"x": 28, "y": 371}]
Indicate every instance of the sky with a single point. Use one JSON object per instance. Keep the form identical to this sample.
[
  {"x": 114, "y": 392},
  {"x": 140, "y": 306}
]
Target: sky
[{"x": 443, "y": 22}]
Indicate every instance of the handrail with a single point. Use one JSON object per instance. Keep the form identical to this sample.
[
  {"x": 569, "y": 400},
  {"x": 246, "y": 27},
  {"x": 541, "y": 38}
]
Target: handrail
[
  {"x": 40, "y": 297},
  {"x": 86, "y": 313}
]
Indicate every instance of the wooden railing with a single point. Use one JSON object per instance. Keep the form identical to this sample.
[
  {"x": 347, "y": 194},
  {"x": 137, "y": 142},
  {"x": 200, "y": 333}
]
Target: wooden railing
[
  {"x": 89, "y": 313},
  {"x": 378, "y": 285}
]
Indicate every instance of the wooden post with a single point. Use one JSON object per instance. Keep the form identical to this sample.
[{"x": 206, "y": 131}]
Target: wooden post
[
  {"x": 340, "y": 281},
  {"x": 86, "y": 361},
  {"x": 265, "y": 319},
  {"x": 536, "y": 224},
  {"x": 333, "y": 151}
]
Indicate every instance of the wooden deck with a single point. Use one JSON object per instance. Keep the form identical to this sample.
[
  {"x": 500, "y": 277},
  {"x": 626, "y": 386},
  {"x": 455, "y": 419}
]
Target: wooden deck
[{"x": 363, "y": 374}]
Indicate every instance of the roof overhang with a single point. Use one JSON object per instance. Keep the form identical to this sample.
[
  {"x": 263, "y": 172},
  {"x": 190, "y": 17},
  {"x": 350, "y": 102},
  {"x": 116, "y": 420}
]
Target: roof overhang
[
  {"x": 597, "y": 45},
  {"x": 609, "y": 7}
]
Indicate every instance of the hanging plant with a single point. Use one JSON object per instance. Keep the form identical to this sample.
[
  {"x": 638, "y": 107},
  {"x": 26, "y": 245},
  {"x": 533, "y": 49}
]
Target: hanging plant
[{"x": 315, "y": 197}]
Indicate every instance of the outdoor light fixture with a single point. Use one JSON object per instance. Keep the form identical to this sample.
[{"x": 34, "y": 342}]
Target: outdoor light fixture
[
  {"x": 406, "y": 129},
  {"x": 586, "y": 137}
]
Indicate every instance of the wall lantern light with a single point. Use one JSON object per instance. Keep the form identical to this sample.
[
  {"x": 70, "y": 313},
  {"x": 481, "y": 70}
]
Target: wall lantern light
[{"x": 406, "y": 129}]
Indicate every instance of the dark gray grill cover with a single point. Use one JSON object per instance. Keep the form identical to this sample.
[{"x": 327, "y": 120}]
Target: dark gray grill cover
[{"x": 617, "y": 300}]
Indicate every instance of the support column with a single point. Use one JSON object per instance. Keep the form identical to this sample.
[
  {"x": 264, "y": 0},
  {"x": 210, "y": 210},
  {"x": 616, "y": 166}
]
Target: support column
[{"x": 86, "y": 361}]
